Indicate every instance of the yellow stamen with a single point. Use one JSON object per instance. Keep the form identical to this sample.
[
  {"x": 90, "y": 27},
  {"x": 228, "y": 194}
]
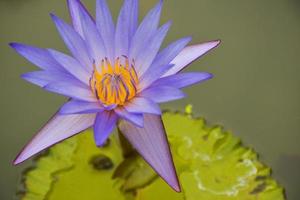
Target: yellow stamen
[{"x": 114, "y": 85}]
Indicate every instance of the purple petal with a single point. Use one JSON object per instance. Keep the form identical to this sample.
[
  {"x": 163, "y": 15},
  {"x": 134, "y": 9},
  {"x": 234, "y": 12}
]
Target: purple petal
[
  {"x": 72, "y": 89},
  {"x": 190, "y": 54},
  {"x": 43, "y": 78},
  {"x": 142, "y": 105},
  {"x": 104, "y": 125},
  {"x": 105, "y": 26},
  {"x": 146, "y": 29},
  {"x": 126, "y": 26},
  {"x": 74, "y": 42},
  {"x": 92, "y": 36},
  {"x": 182, "y": 80},
  {"x": 59, "y": 128},
  {"x": 152, "y": 76},
  {"x": 137, "y": 119},
  {"x": 166, "y": 55},
  {"x": 134, "y": 18},
  {"x": 162, "y": 94},
  {"x": 74, "y": 6},
  {"x": 146, "y": 57},
  {"x": 72, "y": 66},
  {"x": 151, "y": 142},
  {"x": 80, "y": 107},
  {"x": 37, "y": 56}
]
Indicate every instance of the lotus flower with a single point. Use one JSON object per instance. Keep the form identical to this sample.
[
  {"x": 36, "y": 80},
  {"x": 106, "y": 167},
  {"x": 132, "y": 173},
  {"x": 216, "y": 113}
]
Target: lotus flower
[{"x": 116, "y": 75}]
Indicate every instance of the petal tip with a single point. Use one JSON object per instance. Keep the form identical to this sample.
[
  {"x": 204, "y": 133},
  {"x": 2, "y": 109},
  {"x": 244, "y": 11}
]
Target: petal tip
[
  {"x": 217, "y": 42},
  {"x": 188, "y": 39},
  {"x": 19, "y": 158},
  {"x": 209, "y": 75},
  {"x": 16, "y": 161},
  {"x": 176, "y": 187},
  {"x": 100, "y": 143},
  {"x": 168, "y": 24},
  {"x": 151, "y": 143},
  {"x": 54, "y": 17},
  {"x": 13, "y": 45},
  {"x": 24, "y": 76}
]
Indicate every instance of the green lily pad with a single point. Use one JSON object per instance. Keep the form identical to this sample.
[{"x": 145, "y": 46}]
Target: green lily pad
[
  {"x": 211, "y": 164},
  {"x": 76, "y": 169}
]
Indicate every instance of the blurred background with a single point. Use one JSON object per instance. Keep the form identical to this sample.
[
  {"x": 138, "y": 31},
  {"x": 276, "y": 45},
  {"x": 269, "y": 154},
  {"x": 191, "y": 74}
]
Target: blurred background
[{"x": 255, "y": 92}]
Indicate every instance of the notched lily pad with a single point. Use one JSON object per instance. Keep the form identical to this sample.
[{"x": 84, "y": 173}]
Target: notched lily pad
[{"x": 211, "y": 164}]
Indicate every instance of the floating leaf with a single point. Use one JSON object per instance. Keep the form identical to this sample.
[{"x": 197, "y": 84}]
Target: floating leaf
[
  {"x": 214, "y": 165},
  {"x": 76, "y": 169},
  {"x": 211, "y": 164}
]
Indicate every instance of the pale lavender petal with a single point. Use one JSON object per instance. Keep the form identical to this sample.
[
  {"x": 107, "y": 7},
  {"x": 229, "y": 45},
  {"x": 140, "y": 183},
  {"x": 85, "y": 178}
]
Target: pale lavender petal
[
  {"x": 152, "y": 144},
  {"x": 109, "y": 107},
  {"x": 80, "y": 107},
  {"x": 166, "y": 55},
  {"x": 105, "y": 26},
  {"x": 104, "y": 125},
  {"x": 190, "y": 54},
  {"x": 162, "y": 94},
  {"x": 72, "y": 66},
  {"x": 59, "y": 128},
  {"x": 126, "y": 26},
  {"x": 152, "y": 76},
  {"x": 134, "y": 18},
  {"x": 142, "y": 105},
  {"x": 93, "y": 38},
  {"x": 74, "y": 6},
  {"x": 42, "y": 78},
  {"x": 146, "y": 29},
  {"x": 137, "y": 119},
  {"x": 74, "y": 42},
  {"x": 37, "y": 56},
  {"x": 72, "y": 89},
  {"x": 182, "y": 80},
  {"x": 146, "y": 57}
]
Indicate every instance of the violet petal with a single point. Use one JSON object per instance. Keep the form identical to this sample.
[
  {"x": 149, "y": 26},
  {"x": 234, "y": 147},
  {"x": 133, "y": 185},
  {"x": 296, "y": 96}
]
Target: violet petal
[
  {"x": 106, "y": 27},
  {"x": 190, "y": 54},
  {"x": 80, "y": 107},
  {"x": 43, "y": 78},
  {"x": 152, "y": 144},
  {"x": 146, "y": 57},
  {"x": 104, "y": 125},
  {"x": 73, "y": 89},
  {"x": 182, "y": 80},
  {"x": 72, "y": 66},
  {"x": 74, "y": 42},
  {"x": 58, "y": 128},
  {"x": 162, "y": 94},
  {"x": 142, "y": 105},
  {"x": 137, "y": 119},
  {"x": 145, "y": 30},
  {"x": 74, "y": 6},
  {"x": 38, "y": 56},
  {"x": 126, "y": 26}
]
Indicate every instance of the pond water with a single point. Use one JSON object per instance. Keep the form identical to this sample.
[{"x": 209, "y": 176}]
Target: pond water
[{"x": 255, "y": 92}]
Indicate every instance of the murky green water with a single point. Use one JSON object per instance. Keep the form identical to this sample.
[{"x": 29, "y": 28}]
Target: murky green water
[{"x": 255, "y": 92}]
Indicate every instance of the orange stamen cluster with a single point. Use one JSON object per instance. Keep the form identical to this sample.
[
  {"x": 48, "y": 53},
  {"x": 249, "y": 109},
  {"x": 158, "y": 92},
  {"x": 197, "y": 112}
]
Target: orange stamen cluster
[{"x": 114, "y": 84}]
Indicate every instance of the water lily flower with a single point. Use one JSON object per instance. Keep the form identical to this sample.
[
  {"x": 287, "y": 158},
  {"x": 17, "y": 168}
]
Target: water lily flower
[{"x": 116, "y": 75}]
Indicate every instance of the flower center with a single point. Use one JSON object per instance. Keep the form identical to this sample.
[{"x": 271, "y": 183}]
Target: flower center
[{"x": 114, "y": 84}]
